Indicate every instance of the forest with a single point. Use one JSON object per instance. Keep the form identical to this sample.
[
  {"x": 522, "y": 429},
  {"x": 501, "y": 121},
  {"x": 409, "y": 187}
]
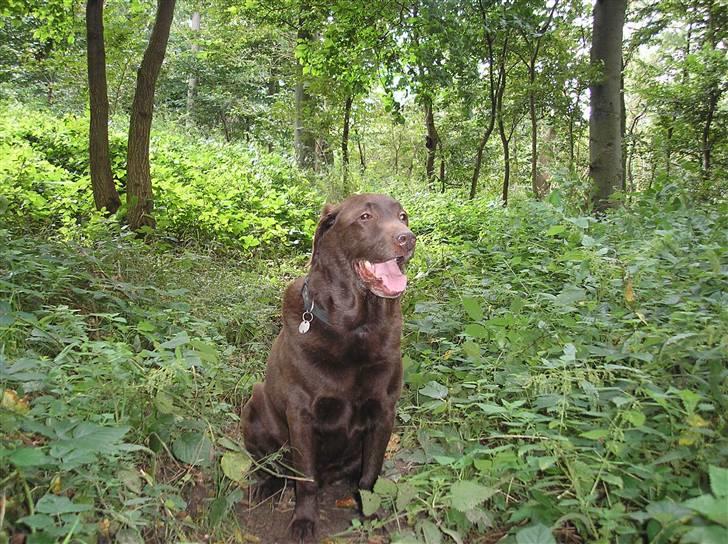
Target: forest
[{"x": 564, "y": 164}]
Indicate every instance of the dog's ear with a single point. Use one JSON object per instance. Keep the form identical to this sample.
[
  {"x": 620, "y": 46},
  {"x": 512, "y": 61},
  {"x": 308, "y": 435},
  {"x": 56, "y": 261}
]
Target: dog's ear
[{"x": 328, "y": 218}]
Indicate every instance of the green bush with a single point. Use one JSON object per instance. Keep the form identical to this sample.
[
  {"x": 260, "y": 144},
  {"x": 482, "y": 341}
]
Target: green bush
[{"x": 226, "y": 193}]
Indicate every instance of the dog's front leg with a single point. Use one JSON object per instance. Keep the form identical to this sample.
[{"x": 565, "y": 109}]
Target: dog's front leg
[
  {"x": 305, "y": 515},
  {"x": 375, "y": 444}
]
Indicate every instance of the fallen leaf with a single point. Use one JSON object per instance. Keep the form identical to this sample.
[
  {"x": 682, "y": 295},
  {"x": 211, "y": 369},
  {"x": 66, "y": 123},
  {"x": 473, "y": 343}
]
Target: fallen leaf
[
  {"x": 12, "y": 402},
  {"x": 348, "y": 502},
  {"x": 629, "y": 291},
  {"x": 392, "y": 446}
]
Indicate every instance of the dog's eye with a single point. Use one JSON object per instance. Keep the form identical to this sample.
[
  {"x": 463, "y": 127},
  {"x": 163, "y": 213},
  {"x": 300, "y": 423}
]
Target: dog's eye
[
  {"x": 365, "y": 216},
  {"x": 402, "y": 216}
]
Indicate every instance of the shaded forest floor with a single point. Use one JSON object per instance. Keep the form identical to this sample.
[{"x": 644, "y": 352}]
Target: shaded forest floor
[{"x": 565, "y": 380}]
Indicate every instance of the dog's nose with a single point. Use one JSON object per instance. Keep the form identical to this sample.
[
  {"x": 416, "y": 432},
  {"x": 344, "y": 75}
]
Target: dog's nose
[{"x": 406, "y": 239}]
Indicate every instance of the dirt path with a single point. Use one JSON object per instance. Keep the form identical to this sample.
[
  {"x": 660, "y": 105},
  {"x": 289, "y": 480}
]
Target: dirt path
[{"x": 267, "y": 523}]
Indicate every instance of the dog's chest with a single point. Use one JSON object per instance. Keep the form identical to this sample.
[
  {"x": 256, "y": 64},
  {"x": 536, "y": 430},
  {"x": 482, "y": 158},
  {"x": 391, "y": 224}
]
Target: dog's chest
[{"x": 352, "y": 413}]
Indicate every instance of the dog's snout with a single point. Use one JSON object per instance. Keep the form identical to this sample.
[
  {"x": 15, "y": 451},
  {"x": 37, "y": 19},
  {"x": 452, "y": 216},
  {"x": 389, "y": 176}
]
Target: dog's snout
[{"x": 406, "y": 239}]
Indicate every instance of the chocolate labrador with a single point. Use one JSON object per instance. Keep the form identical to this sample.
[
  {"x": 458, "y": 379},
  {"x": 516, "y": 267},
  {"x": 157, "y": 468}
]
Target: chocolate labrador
[{"x": 335, "y": 371}]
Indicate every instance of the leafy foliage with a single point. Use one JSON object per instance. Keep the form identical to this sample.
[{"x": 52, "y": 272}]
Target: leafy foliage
[
  {"x": 563, "y": 376},
  {"x": 570, "y": 372},
  {"x": 239, "y": 196}
]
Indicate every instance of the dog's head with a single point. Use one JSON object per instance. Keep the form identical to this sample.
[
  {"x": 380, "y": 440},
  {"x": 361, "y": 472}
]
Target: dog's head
[{"x": 369, "y": 233}]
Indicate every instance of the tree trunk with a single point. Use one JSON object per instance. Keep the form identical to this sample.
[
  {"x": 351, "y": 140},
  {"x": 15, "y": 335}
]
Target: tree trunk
[
  {"x": 706, "y": 144},
  {"x": 431, "y": 141},
  {"x": 571, "y": 143},
  {"x": 534, "y": 134},
  {"x": 479, "y": 157},
  {"x": 442, "y": 170},
  {"x": 345, "y": 142},
  {"x": 605, "y": 142},
  {"x": 506, "y": 160},
  {"x": 304, "y": 140},
  {"x": 494, "y": 94},
  {"x": 623, "y": 127},
  {"x": 362, "y": 158},
  {"x": 192, "y": 81},
  {"x": 102, "y": 181},
  {"x": 140, "y": 199}
]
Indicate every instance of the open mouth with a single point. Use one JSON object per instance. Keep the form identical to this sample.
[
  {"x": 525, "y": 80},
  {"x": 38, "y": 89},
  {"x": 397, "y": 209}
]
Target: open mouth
[{"x": 385, "y": 279}]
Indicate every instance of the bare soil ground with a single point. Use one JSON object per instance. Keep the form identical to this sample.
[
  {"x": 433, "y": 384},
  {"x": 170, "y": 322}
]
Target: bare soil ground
[{"x": 267, "y": 522}]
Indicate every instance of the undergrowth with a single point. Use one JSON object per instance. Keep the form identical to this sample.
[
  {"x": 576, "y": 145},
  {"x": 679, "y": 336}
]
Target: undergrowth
[
  {"x": 233, "y": 195},
  {"x": 565, "y": 378}
]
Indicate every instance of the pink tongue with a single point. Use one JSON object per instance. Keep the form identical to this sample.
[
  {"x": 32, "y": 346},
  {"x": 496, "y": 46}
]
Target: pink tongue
[{"x": 391, "y": 276}]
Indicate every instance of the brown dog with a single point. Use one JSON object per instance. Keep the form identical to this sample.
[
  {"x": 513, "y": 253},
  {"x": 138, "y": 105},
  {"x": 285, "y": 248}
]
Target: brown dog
[{"x": 335, "y": 371}]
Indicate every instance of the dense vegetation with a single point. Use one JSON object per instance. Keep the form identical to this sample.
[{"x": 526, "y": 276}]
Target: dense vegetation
[{"x": 565, "y": 371}]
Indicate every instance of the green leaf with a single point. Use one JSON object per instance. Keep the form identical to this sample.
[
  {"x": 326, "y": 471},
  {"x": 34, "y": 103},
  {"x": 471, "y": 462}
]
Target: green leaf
[
  {"x": 467, "y": 494},
  {"x": 207, "y": 352},
  {"x": 146, "y": 326},
  {"x": 430, "y": 532},
  {"x": 29, "y": 457},
  {"x": 596, "y": 434},
  {"x": 473, "y": 308},
  {"x": 385, "y": 488},
  {"x": 555, "y": 229},
  {"x": 635, "y": 417},
  {"x": 131, "y": 479},
  {"x": 38, "y": 521},
  {"x": 718, "y": 481},
  {"x": 192, "y": 448},
  {"x": 127, "y": 535},
  {"x": 476, "y": 330},
  {"x": 217, "y": 511},
  {"x": 406, "y": 492},
  {"x": 471, "y": 349},
  {"x": 570, "y": 295},
  {"x": 179, "y": 340},
  {"x": 235, "y": 465},
  {"x": 53, "y": 504},
  {"x": 370, "y": 502},
  {"x": 708, "y": 506},
  {"x": 535, "y": 534},
  {"x": 708, "y": 534},
  {"x": 164, "y": 403},
  {"x": 434, "y": 390}
]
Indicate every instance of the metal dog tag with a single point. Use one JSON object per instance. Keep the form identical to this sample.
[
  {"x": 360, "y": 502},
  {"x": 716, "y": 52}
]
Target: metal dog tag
[{"x": 306, "y": 319}]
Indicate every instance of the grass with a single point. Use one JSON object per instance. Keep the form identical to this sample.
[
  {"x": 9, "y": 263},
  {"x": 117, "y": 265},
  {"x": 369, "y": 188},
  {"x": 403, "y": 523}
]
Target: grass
[{"x": 565, "y": 379}]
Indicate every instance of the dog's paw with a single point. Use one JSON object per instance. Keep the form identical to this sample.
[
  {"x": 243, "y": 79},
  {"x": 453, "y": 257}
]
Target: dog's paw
[{"x": 302, "y": 529}]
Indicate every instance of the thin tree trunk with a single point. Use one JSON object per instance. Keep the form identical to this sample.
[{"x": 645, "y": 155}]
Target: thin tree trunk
[
  {"x": 534, "y": 135},
  {"x": 605, "y": 142},
  {"x": 431, "y": 141},
  {"x": 668, "y": 149},
  {"x": 140, "y": 198},
  {"x": 345, "y": 141},
  {"x": 479, "y": 157},
  {"x": 494, "y": 94},
  {"x": 362, "y": 158},
  {"x": 192, "y": 81},
  {"x": 571, "y": 143},
  {"x": 506, "y": 160},
  {"x": 706, "y": 144},
  {"x": 304, "y": 140},
  {"x": 540, "y": 33},
  {"x": 442, "y": 170},
  {"x": 623, "y": 127},
  {"x": 102, "y": 180}
]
